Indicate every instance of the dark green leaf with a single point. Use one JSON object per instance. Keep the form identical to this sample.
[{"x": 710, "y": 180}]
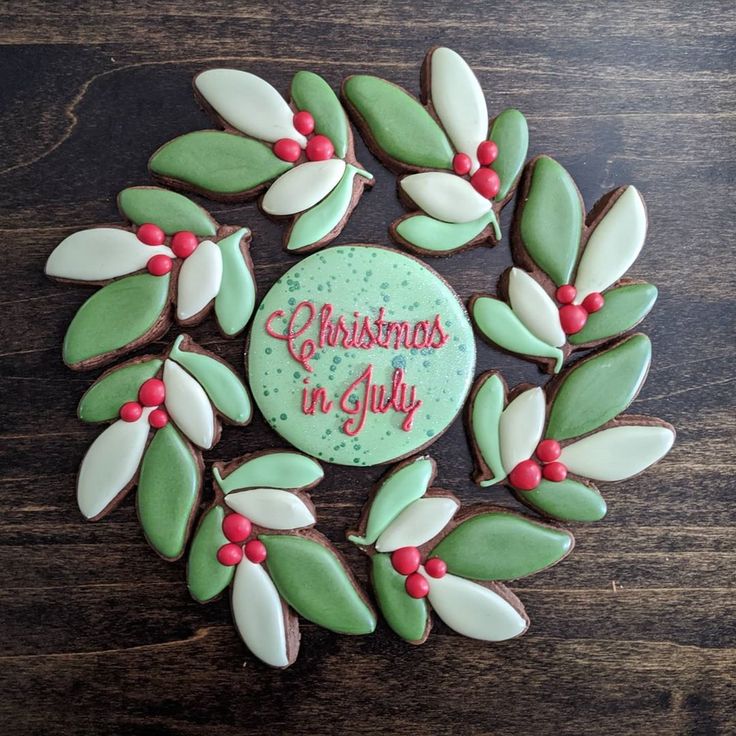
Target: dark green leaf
[
  {"x": 206, "y": 577},
  {"x": 172, "y": 212},
  {"x": 511, "y": 134}
]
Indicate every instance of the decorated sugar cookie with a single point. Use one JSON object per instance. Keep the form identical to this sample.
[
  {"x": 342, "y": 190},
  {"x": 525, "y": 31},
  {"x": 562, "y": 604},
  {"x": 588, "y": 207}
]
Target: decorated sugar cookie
[
  {"x": 360, "y": 355},
  {"x": 258, "y": 539},
  {"x": 173, "y": 253},
  {"x": 427, "y": 554},
  {"x": 566, "y": 292},
  {"x": 550, "y": 445},
  {"x": 301, "y": 151},
  {"x": 461, "y": 169},
  {"x": 162, "y": 410}
]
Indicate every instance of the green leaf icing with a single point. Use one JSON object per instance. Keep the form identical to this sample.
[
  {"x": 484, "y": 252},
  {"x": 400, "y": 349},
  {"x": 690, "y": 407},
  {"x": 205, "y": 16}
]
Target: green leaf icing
[
  {"x": 567, "y": 500},
  {"x": 103, "y": 399},
  {"x": 407, "y": 616},
  {"x": 273, "y": 470},
  {"x": 552, "y": 220},
  {"x": 435, "y": 236},
  {"x": 116, "y": 316},
  {"x": 312, "y": 580},
  {"x": 502, "y": 546},
  {"x": 310, "y": 92},
  {"x": 206, "y": 577},
  {"x": 396, "y": 492},
  {"x": 218, "y": 162},
  {"x": 398, "y": 124},
  {"x": 484, "y": 421},
  {"x": 624, "y": 308},
  {"x": 511, "y": 134},
  {"x": 598, "y": 388},
  {"x": 168, "y": 489},
  {"x": 236, "y": 299},
  {"x": 225, "y": 390},
  {"x": 500, "y": 325},
  {"x": 172, "y": 212}
]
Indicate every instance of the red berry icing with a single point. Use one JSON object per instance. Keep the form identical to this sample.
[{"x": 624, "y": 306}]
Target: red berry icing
[
  {"x": 486, "y": 182},
  {"x": 566, "y": 294},
  {"x": 184, "y": 244},
  {"x": 159, "y": 265},
  {"x": 435, "y": 567},
  {"x": 131, "y": 411},
  {"x": 487, "y": 153},
  {"x": 229, "y": 554},
  {"x": 255, "y": 551},
  {"x": 304, "y": 122},
  {"x": 526, "y": 476},
  {"x": 320, "y": 148},
  {"x": 555, "y": 472},
  {"x": 152, "y": 392},
  {"x": 573, "y": 318},
  {"x": 417, "y": 586},
  {"x": 287, "y": 149},
  {"x": 158, "y": 418},
  {"x": 548, "y": 450},
  {"x": 150, "y": 234},
  {"x": 593, "y": 302},
  {"x": 461, "y": 164},
  {"x": 236, "y": 527},
  {"x": 406, "y": 560}
]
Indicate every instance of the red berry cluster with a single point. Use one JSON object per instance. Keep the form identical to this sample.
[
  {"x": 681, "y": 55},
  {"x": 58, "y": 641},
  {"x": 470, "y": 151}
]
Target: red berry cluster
[
  {"x": 151, "y": 393},
  {"x": 574, "y": 316},
  {"x": 406, "y": 561},
  {"x": 237, "y": 528},
  {"x": 528, "y": 474},
  {"x": 485, "y": 181},
  {"x": 183, "y": 243},
  {"x": 319, "y": 147}
]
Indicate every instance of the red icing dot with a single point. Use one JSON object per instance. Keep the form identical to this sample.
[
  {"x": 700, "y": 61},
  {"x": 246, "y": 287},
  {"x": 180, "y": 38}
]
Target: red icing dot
[
  {"x": 526, "y": 476},
  {"x": 573, "y": 318},
  {"x": 150, "y": 234},
  {"x": 255, "y": 551},
  {"x": 486, "y": 182},
  {"x": 159, "y": 265},
  {"x": 406, "y": 560},
  {"x": 548, "y": 450},
  {"x": 229, "y": 554},
  {"x": 184, "y": 243},
  {"x": 593, "y": 302},
  {"x": 487, "y": 153},
  {"x": 461, "y": 164},
  {"x": 287, "y": 149},
  {"x": 152, "y": 392},
  {"x": 320, "y": 148},
  {"x": 566, "y": 294},
  {"x": 555, "y": 472},
  {"x": 304, "y": 122},
  {"x": 236, "y": 527},
  {"x": 158, "y": 418},
  {"x": 417, "y": 586},
  {"x": 435, "y": 567},
  {"x": 131, "y": 411}
]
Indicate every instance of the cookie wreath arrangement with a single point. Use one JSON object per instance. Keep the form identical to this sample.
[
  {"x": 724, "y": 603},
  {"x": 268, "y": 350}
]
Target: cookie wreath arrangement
[{"x": 360, "y": 355}]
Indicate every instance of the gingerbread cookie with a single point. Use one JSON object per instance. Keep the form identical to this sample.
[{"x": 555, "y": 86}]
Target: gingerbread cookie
[
  {"x": 258, "y": 538},
  {"x": 566, "y": 293},
  {"x": 427, "y": 554},
  {"x": 302, "y": 151},
  {"x": 173, "y": 253},
  {"x": 548, "y": 444},
  {"x": 462, "y": 169},
  {"x": 359, "y": 355},
  {"x": 162, "y": 410}
]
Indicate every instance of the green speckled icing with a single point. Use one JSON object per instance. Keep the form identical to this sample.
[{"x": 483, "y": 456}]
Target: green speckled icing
[{"x": 363, "y": 279}]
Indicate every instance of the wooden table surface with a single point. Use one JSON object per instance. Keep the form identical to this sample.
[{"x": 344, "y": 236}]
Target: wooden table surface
[{"x": 634, "y": 634}]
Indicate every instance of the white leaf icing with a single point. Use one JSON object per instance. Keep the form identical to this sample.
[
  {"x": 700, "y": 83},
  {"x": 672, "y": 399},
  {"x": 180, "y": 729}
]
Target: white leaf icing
[
  {"x": 249, "y": 104},
  {"x": 532, "y": 305},
  {"x": 613, "y": 246},
  {"x": 459, "y": 102},
  {"x": 111, "y": 463},
  {"x": 200, "y": 278},
  {"x": 521, "y": 427},
  {"x": 419, "y": 522},
  {"x": 188, "y": 405},
  {"x": 302, "y": 187},
  {"x": 101, "y": 253},
  {"x": 271, "y": 508},
  {"x": 618, "y": 452},
  {"x": 259, "y": 614},
  {"x": 446, "y": 197}
]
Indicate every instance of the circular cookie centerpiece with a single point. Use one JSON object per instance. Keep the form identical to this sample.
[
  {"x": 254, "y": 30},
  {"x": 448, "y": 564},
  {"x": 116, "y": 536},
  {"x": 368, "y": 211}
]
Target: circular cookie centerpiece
[{"x": 359, "y": 355}]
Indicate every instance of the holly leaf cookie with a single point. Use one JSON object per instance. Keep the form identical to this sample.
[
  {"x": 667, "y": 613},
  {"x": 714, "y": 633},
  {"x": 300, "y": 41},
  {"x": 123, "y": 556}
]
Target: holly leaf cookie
[
  {"x": 302, "y": 151},
  {"x": 427, "y": 554},
  {"x": 258, "y": 537},
  {"x": 566, "y": 292},
  {"x": 550, "y": 445},
  {"x": 162, "y": 410},
  {"x": 172, "y": 253},
  {"x": 462, "y": 169}
]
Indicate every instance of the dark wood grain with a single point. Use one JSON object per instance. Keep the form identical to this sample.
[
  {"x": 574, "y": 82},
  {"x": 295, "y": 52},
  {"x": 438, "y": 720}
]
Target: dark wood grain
[{"x": 634, "y": 634}]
